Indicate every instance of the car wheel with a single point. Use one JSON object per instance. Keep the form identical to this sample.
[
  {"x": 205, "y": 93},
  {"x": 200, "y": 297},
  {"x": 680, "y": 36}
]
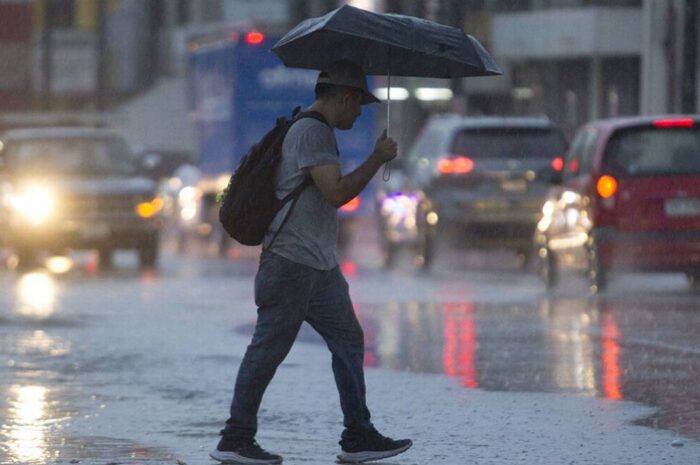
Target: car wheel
[
  {"x": 426, "y": 251},
  {"x": 523, "y": 259},
  {"x": 547, "y": 268},
  {"x": 26, "y": 258},
  {"x": 224, "y": 243},
  {"x": 389, "y": 249},
  {"x": 389, "y": 252},
  {"x": 597, "y": 275},
  {"x": 694, "y": 279},
  {"x": 181, "y": 240},
  {"x": 105, "y": 257},
  {"x": 148, "y": 253}
]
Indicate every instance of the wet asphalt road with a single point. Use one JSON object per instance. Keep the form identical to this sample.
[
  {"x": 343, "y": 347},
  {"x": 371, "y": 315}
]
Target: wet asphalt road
[{"x": 75, "y": 342}]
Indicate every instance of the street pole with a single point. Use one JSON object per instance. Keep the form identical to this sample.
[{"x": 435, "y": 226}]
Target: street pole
[
  {"x": 101, "y": 51},
  {"x": 47, "y": 55},
  {"x": 452, "y": 13},
  {"x": 690, "y": 57}
]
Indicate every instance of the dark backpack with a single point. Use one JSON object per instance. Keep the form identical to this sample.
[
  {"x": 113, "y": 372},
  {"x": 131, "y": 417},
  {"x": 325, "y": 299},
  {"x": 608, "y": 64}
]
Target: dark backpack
[{"x": 249, "y": 203}]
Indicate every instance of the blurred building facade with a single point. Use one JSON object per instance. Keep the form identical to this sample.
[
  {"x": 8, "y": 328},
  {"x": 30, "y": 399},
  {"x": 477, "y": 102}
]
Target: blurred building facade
[
  {"x": 573, "y": 60},
  {"x": 15, "y": 38},
  {"x": 75, "y": 53},
  {"x": 577, "y": 60}
]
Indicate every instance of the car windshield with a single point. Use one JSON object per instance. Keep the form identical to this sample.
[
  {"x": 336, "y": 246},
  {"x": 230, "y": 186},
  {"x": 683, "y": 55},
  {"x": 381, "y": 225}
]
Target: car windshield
[
  {"x": 71, "y": 156},
  {"x": 509, "y": 143},
  {"x": 654, "y": 151}
]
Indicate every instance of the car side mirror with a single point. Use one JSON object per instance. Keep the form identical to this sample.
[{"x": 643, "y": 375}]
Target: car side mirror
[{"x": 550, "y": 175}]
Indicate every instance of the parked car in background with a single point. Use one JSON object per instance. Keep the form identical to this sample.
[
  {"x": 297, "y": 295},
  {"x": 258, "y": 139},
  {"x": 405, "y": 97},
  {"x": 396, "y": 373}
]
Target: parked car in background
[
  {"x": 629, "y": 200},
  {"x": 75, "y": 188},
  {"x": 476, "y": 176}
]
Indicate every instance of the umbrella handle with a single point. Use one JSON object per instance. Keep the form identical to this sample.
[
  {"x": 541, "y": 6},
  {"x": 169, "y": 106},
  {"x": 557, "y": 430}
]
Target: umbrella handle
[{"x": 386, "y": 175}]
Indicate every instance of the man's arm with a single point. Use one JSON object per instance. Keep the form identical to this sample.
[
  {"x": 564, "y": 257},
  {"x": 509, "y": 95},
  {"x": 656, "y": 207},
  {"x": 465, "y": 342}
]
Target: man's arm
[{"x": 338, "y": 189}]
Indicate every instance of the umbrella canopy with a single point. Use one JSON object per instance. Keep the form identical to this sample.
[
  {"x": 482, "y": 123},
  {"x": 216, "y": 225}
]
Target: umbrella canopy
[{"x": 388, "y": 44}]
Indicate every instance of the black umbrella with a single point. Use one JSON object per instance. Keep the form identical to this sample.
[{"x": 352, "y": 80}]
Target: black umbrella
[
  {"x": 385, "y": 44},
  {"x": 391, "y": 44}
]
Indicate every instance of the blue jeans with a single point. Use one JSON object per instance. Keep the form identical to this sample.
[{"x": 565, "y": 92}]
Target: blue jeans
[{"x": 287, "y": 294}]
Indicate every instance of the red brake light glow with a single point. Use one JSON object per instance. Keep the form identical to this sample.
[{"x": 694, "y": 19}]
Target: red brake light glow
[
  {"x": 348, "y": 267},
  {"x": 573, "y": 166},
  {"x": 674, "y": 123},
  {"x": 254, "y": 38},
  {"x": 558, "y": 164},
  {"x": 352, "y": 205},
  {"x": 462, "y": 165},
  {"x": 445, "y": 166},
  {"x": 456, "y": 165},
  {"x": 606, "y": 186}
]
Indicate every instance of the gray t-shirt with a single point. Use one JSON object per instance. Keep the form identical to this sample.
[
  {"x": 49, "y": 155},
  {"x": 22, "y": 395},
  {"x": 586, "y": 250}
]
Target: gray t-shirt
[{"x": 309, "y": 237}]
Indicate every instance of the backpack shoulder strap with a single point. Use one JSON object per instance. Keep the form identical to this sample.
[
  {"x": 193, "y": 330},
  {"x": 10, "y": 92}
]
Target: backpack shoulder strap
[
  {"x": 311, "y": 114},
  {"x": 294, "y": 196}
]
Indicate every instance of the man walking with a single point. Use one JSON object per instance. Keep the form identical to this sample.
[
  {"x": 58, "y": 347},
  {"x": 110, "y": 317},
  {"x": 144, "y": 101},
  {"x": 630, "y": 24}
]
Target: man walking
[{"x": 299, "y": 278}]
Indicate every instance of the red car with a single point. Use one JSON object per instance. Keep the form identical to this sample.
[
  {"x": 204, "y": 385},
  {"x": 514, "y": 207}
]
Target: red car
[{"x": 627, "y": 198}]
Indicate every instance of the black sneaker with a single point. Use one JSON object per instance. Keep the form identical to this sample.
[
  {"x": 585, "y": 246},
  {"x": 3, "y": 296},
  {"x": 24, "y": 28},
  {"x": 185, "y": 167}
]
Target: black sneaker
[
  {"x": 373, "y": 446},
  {"x": 242, "y": 451}
]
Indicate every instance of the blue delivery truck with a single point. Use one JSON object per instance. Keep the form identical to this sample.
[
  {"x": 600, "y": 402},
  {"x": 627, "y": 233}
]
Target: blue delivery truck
[{"x": 238, "y": 88}]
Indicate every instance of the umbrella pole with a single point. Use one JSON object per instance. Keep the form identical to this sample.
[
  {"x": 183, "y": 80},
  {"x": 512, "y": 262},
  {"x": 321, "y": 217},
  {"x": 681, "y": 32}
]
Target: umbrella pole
[
  {"x": 388, "y": 102},
  {"x": 386, "y": 175}
]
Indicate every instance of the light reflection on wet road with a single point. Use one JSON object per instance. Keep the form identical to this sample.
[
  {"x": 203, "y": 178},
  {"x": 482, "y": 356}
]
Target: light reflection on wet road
[
  {"x": 28, "y": 407},
  {"x": 41, "y": 389},
  {"x": 618, "y": 349},
  {"x": 56, "y": 343}
]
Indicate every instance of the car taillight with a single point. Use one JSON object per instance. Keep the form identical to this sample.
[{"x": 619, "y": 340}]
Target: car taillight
[
  {"x": 558, "y": 164},
  {"x": 674, "y": 123},
  {"x": 606, "y": 186},
  {"x": 352, "y": 205},
  {"x": 254, "y": 38},
  {"x": 455, "y": 165}
]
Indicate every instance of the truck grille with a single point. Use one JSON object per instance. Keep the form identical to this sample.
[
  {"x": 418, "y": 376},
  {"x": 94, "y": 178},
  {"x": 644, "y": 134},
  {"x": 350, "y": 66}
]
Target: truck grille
[{"x": 103, "y": 206}]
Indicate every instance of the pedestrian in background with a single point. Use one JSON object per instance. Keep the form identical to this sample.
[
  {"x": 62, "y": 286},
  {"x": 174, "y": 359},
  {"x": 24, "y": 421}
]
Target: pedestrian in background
[{"x": 299, "y": 278}]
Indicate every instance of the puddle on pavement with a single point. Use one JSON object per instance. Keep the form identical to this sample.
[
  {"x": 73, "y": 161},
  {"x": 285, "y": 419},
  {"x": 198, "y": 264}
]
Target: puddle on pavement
[
  {"x": 617, "y": 349},
  {"x": 34, "y": 301},
  {"x": 31, "y": 449},
  {"x": 33, "y": 417},
  {"x": 24, "y": 430},
  {"x": 35, "y": 413},
  {"x": 101, "y": 450}
]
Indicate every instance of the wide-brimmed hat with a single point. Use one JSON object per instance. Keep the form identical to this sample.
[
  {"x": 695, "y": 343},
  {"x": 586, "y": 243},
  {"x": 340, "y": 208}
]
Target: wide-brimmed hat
[{"x": 347, "y": 74}]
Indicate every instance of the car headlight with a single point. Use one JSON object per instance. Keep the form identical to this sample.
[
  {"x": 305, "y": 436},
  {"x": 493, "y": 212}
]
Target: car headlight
[
  {"x": 149, "y": 209},
  {"x": 35, "y": 204},
  {"x": 188, "y": 201},
  {"x": 400, "y": 209}
]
